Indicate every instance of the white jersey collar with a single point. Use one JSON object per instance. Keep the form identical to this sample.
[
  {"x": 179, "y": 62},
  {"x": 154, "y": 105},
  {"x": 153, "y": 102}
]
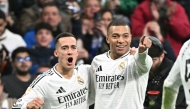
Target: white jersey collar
[
  {"x": 54, "y": 69},
  {"x": 108, "y": 54}
]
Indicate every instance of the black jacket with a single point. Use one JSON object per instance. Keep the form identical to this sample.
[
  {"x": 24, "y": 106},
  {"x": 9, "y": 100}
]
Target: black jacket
[{"x": 156, "y": 83}]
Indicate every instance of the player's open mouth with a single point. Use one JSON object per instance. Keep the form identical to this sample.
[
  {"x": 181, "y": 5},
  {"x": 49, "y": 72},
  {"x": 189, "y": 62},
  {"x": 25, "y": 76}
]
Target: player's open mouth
[{"x": 70, "y": 59}]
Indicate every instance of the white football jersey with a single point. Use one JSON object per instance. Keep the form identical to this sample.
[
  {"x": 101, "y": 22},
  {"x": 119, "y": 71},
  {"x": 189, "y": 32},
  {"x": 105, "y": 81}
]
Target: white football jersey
[
  {"x": 180, "y": 74},
  {"x": 58, "y": 92},
  {"x": 120, "y": 83}
]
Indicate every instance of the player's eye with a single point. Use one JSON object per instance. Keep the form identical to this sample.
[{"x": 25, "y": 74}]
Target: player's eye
[
  {"x": 125, "y": 36},
  {"x": 64, "y": 48},
  {"x": 74, "y": 47},
  {"x": 114, "y": 36}
]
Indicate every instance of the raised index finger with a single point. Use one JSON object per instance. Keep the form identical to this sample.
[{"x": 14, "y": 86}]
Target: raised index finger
[{"x": 142, "y": 40}]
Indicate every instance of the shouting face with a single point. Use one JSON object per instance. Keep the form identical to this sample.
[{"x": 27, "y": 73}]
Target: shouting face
[{"x": 66, "y": 52}]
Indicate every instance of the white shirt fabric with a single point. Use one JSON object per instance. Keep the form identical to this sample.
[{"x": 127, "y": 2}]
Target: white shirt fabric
[
  {"x": 180, "y": 74},
  {"x": 5, "y": 104},
  {"x": 12, "y": 41},
  {"x": 58, "y": 92},
  {"x": 120, "y": 83}
]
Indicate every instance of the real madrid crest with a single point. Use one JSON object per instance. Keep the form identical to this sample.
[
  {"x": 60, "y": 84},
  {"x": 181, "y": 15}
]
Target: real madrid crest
[
  {"x": 121, "y": 66},
  {"x": 80, "y": 80}
]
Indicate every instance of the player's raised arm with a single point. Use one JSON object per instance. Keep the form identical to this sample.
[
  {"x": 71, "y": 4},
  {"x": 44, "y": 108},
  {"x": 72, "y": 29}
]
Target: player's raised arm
[
  {"x": 143, "y": 61},
  {"x": 144, "y": 44}
]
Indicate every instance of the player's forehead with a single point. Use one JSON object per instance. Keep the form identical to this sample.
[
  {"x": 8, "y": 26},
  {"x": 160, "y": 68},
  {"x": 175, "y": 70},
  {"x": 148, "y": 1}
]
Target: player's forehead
[
  {"x": 67, "y": 41},
  {"x": 119, "y": 30}
]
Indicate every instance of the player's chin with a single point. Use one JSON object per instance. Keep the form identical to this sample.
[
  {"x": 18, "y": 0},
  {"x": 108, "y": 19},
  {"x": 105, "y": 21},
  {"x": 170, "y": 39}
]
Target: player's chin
[{"x": 121, "y": 52}]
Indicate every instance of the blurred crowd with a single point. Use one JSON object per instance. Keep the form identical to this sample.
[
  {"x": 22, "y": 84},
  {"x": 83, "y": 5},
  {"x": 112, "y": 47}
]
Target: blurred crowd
[{"x": 28, "y": 29}]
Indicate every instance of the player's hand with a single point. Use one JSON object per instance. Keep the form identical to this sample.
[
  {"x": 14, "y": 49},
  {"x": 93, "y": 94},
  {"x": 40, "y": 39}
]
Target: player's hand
[
  {"x": 36, "y": 103},
  {"x": 133, "y": 50},
  {"x": 144, "y": 43}
]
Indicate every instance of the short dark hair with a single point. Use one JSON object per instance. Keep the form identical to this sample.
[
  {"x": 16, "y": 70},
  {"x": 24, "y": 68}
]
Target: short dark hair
[
  {"x": 46, "y": 4},
  {"x": 64, "y": 34},
  {"x": 2, "y": 15},
  {"x": 103, "y": 11},
  {"x": 117, "y": 22},
  {"x": 19, "y": 50},
  {"x": 43, "y": 25},
  {"x": 98, "y": 15}
]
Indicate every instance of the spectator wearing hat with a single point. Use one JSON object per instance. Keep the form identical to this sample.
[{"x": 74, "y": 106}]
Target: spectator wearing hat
[
  {"x": 158, "y": 73},
  {"x": 169, "y": 53},
  {"x": 167, "y": 14},
  {"x": 158, "y": 34}
]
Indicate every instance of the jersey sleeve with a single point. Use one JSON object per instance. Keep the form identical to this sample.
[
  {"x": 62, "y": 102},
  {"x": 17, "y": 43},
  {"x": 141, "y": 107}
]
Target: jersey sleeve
[
  {"x": 92, "y": 85},
  {"x": 143, "y": 62},
  {"x": 172, "y": 83},
  {"x": 36, "y": 89}
]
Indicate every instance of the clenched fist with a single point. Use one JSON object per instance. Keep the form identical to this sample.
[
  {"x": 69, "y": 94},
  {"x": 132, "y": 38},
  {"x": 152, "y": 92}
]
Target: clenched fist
[
  {"x": 36, "y": 103},
  {"x": 144, "y": 43}
]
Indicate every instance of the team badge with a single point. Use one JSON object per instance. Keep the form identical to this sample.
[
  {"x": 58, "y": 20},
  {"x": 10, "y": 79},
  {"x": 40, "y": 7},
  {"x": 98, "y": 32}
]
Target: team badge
[
  {"x": 29, "y": 90},
  {"x": 121, "y": 66},
  {"x": 80, "y": 80}
]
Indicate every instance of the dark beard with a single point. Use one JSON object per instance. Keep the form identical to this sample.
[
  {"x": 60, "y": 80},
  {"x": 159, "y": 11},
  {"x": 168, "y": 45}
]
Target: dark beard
[
  {"x": 151, "y": 75},
  {"x": 154, "y": 72},
  {"x": 21, "y": 73}
]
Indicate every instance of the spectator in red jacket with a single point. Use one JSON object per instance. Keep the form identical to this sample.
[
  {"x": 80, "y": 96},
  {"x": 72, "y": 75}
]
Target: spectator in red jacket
[{"x": 170, "y": 16}]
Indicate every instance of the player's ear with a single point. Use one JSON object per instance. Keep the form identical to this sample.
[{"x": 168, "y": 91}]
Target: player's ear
[
  {"x": 162, "y": 55},
  {"x": 107, "y": 40},
  {"x": 55, "y": 53}
]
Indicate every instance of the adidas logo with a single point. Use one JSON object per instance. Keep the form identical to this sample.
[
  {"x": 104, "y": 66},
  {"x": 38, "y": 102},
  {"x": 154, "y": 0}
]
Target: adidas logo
[
  {"x": 99, "y": 68},
  {"x": 60, "y": 90}
]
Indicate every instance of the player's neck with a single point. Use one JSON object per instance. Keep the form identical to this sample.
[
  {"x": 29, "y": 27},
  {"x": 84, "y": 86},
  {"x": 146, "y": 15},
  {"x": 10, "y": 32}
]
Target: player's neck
[
  {"x": 66, "y": 73},
  {"x": 114, "y": 56}
]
